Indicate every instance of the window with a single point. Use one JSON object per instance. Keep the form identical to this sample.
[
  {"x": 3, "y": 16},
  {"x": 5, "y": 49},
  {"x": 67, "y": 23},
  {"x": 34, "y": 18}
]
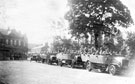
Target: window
[
  {"x": 11, "y": 42},
  {"x": 19, "y": 42},
  {"x": 7, "y": 41},
  {"x": 4, "y": 41},
  {"x": 15, "y": 42},
  {"x": 24, "y": 44},
  {"x": 0, "y": 40}
]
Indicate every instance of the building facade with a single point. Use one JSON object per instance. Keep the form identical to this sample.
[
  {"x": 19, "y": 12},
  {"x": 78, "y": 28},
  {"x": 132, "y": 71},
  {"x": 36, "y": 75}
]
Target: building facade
[{"x": 13, "y": 45}]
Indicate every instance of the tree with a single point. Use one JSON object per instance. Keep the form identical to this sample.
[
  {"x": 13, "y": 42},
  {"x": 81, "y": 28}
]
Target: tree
[
  {"x": 44, "y": 49},
  {"x": 98, "y": 17},
  {"x": 56, "y": 45},
  {"x": 64, "y": 44},
  {"x": 131, "y": 43},
  {"x": 61, "y": 44},
  {"x": 119, "y": 47},
  {"x": 75, "y": 45},
  {"x": 109, "y": 43}
]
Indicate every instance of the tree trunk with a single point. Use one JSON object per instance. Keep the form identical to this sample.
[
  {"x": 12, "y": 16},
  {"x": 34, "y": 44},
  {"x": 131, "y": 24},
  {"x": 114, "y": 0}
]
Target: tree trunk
[{"x": 96, "y": 40}]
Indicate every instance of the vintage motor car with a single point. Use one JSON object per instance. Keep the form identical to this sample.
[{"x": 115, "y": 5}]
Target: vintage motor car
[
  {"x": 36, "y": 58},
  {"x": 114, "y": 64},
  {"x": 43, "y": 58},
  {"x": 77, "y": 62},
  {"x": 64, "y": 59},
  {"x": 33, "y": 58},
  {"x": 52, "y": 59}
]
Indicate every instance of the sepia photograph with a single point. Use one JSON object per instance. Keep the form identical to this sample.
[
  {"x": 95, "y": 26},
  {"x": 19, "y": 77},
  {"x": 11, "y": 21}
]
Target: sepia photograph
[{"x": 67, "y": 41}]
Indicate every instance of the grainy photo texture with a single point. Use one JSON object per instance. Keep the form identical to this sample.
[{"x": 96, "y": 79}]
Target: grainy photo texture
[{"x": 67, "y": 41}]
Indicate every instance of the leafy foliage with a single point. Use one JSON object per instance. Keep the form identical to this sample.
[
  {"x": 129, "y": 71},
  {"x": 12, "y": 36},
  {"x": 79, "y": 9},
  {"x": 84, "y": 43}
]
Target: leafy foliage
[
  {"x": 120, "y": 43},
  {"x": 45, "y": 48},
  {"x": 75, "y": 45},
  {"x": 110, "y": 44},
  {"x": 64, "y": 44},
  {"x": 97, "y": 16},
  {"x": 131, "y": 42},
  {"x": 116, "y": 44},
  {"x": 56, "y": 45}
]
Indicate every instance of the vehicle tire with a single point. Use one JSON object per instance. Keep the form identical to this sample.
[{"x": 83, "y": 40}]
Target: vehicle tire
[
  {"x": 57, "y": 62},
  {"x": 47, "y": 61},
  {"x": 84, "y": 65},
  {"x": 112, "y": 69},
  {"x": 102, "y": 70},
  {"x": 50, "y": 62},
  {"x": 72, "y": 65},
  {"x": 89, "y": 66},
  {"x": 61, "y": 64},
  {"x": 43, "y": 60}
]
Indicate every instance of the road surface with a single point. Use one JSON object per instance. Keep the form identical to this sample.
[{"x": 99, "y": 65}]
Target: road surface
[{"x": 25, "y": 72}]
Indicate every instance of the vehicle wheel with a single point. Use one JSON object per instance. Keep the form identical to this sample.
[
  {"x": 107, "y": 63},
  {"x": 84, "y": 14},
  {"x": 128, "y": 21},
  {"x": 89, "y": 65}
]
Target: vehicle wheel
[
  {"x": 103, "y": 70},
  {"x": 112, "y": 69},
  {"x": 50, "y": 62},
  {"x": 57, "y": 63},
  {"x": 43, "y": 60},
  {"x": 72, "y": 65},
  {"x": 47, "y": 61},
  {"x": 84, "y": 65},
  {"x": 89, "y": 66},
  {"x": 61, "y": 64}
]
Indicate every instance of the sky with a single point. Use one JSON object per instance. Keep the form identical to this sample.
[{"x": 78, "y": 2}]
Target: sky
[
  {"x": 41, "y": 19},
  {"x": 37, "y": 18}
]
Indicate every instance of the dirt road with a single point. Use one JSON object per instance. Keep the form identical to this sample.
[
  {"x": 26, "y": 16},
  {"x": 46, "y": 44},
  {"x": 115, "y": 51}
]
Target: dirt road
[{"x": 25, "y": 72}]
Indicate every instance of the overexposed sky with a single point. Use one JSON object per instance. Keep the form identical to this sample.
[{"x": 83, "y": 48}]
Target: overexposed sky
[{"x": 38, "y": 18}]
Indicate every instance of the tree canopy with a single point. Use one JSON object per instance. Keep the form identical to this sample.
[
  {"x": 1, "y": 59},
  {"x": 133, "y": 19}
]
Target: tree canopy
[
  {"x": 131, "y": 42},
  {"x": 97, "y": 16},
  {"x": 64, "y": 44},
  {"x": 44, "y": 49}
]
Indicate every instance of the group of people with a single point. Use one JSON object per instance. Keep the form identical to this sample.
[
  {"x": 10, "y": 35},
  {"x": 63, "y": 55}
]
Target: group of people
[{"x": 98, "y": 51}]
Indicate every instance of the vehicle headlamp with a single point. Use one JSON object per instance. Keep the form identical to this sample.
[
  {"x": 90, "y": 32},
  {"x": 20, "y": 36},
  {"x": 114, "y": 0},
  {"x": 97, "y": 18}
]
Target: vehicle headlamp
[{"x": 63, "y": 61}]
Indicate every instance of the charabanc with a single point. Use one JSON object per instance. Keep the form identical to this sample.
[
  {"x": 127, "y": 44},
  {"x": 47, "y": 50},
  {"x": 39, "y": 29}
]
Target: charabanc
[
  {"x": 52, "y": 59},
  {"x": 114, "y": 64},
  {"x": 78, "y": 62},
  {"x": 64, "y": 59}
]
